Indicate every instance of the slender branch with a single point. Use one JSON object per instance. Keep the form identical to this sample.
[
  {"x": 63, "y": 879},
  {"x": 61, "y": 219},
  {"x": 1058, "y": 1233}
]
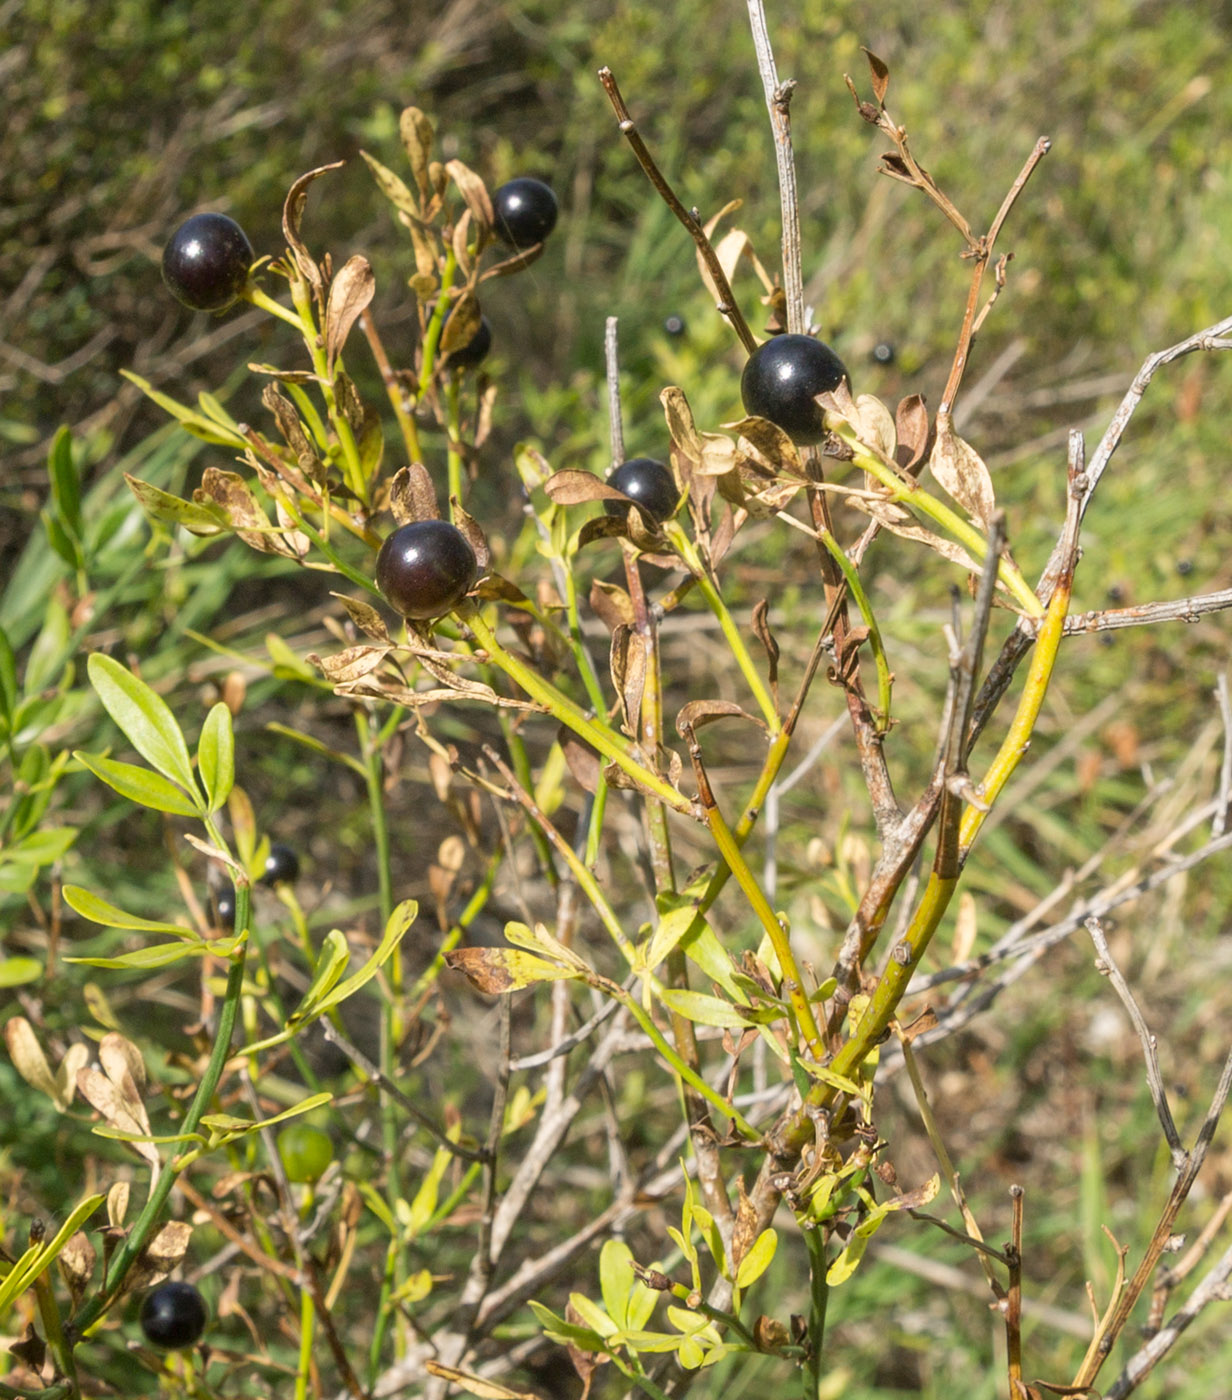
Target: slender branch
[
  {"x": 727, "y": 306},
  {"x": 1106, "y": 965},
  {"x": 616, "y": 432},
  {"x": 778, "y": 104}
]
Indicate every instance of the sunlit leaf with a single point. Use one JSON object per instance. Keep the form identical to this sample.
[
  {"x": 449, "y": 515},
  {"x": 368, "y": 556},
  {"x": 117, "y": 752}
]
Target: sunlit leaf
[{"x": 144, "y": 717}]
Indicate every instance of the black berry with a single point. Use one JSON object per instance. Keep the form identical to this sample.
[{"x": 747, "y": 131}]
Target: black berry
[
  {"x": 674, "y": 325},
  {"x": 224, "y": 908},
  {"x": 782, "y": 378},
  {"x": 525, "y": 211},
  {"x": 647, "y": 482},
  {"x": 476, "y": 348},
  {"x": 173, "y": 1315},
  {"x": 282, "y": 864},
  {"x": 884, "y": 353},
  {"x": 426, "y": 568},
  {"x": 205, "y": 265}
]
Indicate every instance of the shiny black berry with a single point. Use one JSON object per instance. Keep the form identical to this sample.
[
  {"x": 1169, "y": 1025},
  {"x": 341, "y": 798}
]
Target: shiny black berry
[
  {"x": 282, "y": 864},
  {"x": 476, "y": 348},
  {"x": 647, "y": 482},
  {"x": 173, "y": 1315},
  {"x": 674, "y": 325},
  {"x": 884, "y": 353},
  {"x": 782, "y": 378},
  {"x": 426, "y": 568},
  {"x": 205, "y": 265},
  {"x": 525, "y": 211},
  {"x": 224, "y": 908}
]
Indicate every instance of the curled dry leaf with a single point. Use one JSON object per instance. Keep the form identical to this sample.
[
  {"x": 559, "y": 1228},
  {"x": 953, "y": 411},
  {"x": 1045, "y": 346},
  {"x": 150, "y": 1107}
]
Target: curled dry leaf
[
  {"x": 767, "y": 446},
  {"x": 701, "y": 712},
  {"x": 880, "y": 75},
  {"x": 680, "y": 425},
  {"x": 349, "y": 293},
  {"x": 474, "y": 192},
  {"x": 292, "y": 216},
  {"x": 392, "y": 186},
  {"x": 412, "y": 496},
  {"x": 351, "y": 664},
  {"x": 628, "y": 661},
  {"x": 30, "y": 1062},
  {"x": 892, "y": 518},
  {"x": 496, "y": 971},
  {"x": 611, "y": 604},
  {"x": 76, "y": 1261},
  {"x": 960, "y": 471},
  {"x": 366, "y": 618},
  {"x": 914, "y": 433},
  {"x": 877, "y": 427},
  {"x": 572, "y": 487},
  {"x": 461, "y": 325},
  {"x": 230, "y": 492},
  {"x": 474, "y": 536},
  {"x": 583, "y": 761},
  {"x": 417, "y": 136}
]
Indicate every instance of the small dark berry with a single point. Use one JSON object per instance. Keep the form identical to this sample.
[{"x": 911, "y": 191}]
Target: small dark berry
[
  {"x": 884, "y": 353},
  {"x": 525, "y": 211},
  {"x": 649, "y": 484},
  {"x": 173, "y": 1315},
  {"x": 205, "y": 265},
  {"x": 674, "y": 325},
  {"x": 476, "y": 348},
  {"x": 224, "y": 908},
  {"x": 781, "y": 380},
  {"x": 426, "y": 568},
  {"x": 282, "y": 864},
  {"x": 1184, "y": 567}
]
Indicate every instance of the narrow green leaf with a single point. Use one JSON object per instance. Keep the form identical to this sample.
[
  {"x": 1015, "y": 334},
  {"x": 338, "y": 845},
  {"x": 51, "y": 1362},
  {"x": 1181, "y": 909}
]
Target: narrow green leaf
[
  {"x": 37, "y": 1258},
  {"x": 8, "y": 676},
  {"x": 65, "y": 485},
  {"x": 139, "y": 785},
  {"x": 98, "y": 911},
  {"x": 144, "y": 717},
  {"x": 216, "y": 756},
  {"x": 18, "y": 972},
  {"x": 60, "y": 540},
  {"x": 376, "y": 1204},
  {"x": 162, "y": 954},
  {"x": 47, "y": 655},
  {"x": 705, "y": 949},
  {"x": 399, "y": 922},
  {"x": 566, "y": 1332},
  {"x": 197, "y": 518},
  {"x": 615, "y": 1278},
  {"x": 706, "y": 1010},
  {"x": 331, "y": 964},
  {"x": 593, "y": 1315},
  {"x": 757, "y": 1260},
  {"x": 41, "y": 847},
  {"x": 671, "y": 930},
  {"x": 195, "y": 423}
]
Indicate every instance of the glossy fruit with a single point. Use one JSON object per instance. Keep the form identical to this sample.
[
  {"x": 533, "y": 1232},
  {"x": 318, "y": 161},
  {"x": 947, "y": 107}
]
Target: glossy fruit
[
  {"x": 883, "y": 353},
  {"x": 647, "y": 482},
  {"x": 674, "y": 325},
  {"x": 525, "y": 211},
  {"x": 476, "y": 348},
  {"x": 224, "y": 908},
  {"x": 781, "y": 380},
  {"x": 305, "y": 1151},
  {"x": 173, "y": 1315},
  {"x": 282, "y": 864},
  {"x": 205, "y": 265},
  {"x": 426, "y": 568}
]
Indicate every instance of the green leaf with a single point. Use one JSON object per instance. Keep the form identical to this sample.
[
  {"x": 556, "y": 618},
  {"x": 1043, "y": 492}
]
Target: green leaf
[
  {"x": 216, "y": 756},
  {"x": 567, "y": 1333},
  {"x": 197, "y": 518},
  {"x": 616, "y": 1279},
  {"x": 144, "y": 717},
  {"x": 139, "y": 785},
  {"x": 39, "y": 1257},
  {"x": 704, "y": 949},
  {"x": 47, "y": 655},
  {"x": 757, "y": 1260},
  {"x": 331, "y": 964},
  {"x": 164, "y": 954},
  {"x": 65, "y": 486},
  {"x": 98, "y": 911},
  {"x": 706, "y": 1010},
  {"x": 60, "y": 540},
  {"x": 376, "y": 1204},
  {"x": 672, "y": 928},
  {"x": 399, "y": 922},
  {"x": 593, "y": 1315},
  {"x": 8, "y": 676},
  {"x": 17, "y": 972},
  {"x": 195, "y": 423},
  {"x": 41, "y": 847}
]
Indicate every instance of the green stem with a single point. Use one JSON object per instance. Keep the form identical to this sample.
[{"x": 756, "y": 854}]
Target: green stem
[
  {"x": 453, "y": 427},
  {"x": 563, "y": 709},
  {"x": 819, "y": 1296},
  {"x": 885, "y": 679},
  {"x": 908, "y": 492},
  {"x": 256, "y": 297},
  {"x": 140, "y": 1233},
  {"x": 432, "y": 335},
  {"x": 683, "y": 546}
]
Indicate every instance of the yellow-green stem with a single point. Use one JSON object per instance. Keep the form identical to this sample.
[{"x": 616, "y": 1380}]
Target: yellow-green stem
[{"x": 599, "y": 736}]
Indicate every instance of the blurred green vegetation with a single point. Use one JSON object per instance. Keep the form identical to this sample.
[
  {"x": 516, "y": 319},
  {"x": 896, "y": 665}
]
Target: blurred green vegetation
[{"x": 124, "y": 116}]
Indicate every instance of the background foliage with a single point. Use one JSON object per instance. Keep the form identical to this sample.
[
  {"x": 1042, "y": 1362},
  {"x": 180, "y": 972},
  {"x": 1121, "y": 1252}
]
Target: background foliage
[{"x": 123, "y": 117}]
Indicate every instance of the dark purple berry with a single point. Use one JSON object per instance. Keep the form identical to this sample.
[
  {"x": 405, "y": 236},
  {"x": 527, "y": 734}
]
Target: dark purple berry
[
  {"x": 674, "y": 325},
  {"x": 475, "y": 350},
  {"x": 647, "y": 482},
  {"x": 205, "y": 265},
  {"x": 224, "y": 908},
  {"x": 426, "y": 568},
  {"x": 525, "y": 211},
  {"x": 173, "y": 1315},
  {"x": 884, "y": 353},
  {"x": 783, "y": 377},
  {"x": 282, "y": 864}
]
